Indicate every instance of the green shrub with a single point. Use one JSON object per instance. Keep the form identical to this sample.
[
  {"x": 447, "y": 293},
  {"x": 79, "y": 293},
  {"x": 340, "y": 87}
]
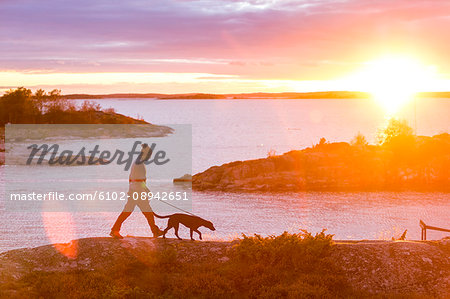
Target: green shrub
[{"x": 292, "y": 265}]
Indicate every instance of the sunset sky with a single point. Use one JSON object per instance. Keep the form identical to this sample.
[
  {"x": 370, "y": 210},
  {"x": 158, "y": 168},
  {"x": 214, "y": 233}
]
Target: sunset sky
[{"x": 108, "y": 46}]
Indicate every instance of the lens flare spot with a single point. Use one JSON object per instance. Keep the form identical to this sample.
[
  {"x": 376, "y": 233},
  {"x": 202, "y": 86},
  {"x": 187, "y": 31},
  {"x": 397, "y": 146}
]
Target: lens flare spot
[{"x": 60, "y": 227}]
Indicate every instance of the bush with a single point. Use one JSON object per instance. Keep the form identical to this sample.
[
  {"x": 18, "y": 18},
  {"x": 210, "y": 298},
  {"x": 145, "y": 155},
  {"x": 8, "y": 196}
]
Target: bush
[
  {"x": 286, "y": 250},
  {"x": 292, "y": 265}
]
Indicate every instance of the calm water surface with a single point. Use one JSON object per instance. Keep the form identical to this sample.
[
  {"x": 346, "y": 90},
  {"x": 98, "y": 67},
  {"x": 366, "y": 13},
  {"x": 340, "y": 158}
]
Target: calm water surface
[{"x": 229, "y": 130}]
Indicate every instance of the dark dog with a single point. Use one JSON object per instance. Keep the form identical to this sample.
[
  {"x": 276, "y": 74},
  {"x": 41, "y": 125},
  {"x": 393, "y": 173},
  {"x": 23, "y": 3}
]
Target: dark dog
[{"x": 192, "y": 222}]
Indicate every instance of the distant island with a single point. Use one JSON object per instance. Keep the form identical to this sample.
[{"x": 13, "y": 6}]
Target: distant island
[
  {"x": 257, "y": 95},
  {"x": 21, "y": 106}
]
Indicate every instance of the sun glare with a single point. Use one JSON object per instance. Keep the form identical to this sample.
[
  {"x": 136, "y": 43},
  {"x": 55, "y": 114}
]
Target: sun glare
[{"x": 393, "y": 81}]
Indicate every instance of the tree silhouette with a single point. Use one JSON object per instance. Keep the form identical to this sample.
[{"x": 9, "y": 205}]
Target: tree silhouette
[
  {"x": 16, "y": 106},
  {"x": 359, "y": 140},
  {"x": 394, "y": 130}
]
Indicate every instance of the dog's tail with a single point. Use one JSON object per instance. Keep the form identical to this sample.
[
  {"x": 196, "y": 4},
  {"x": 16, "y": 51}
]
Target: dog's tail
[{"x": 158, "y": 216}]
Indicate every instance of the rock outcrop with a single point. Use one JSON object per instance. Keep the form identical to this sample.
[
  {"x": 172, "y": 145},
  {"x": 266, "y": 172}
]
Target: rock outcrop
[
  {"x": 187, "y": 178},
  {"x": 422, "y": 163},
  {"x": 372, "y": 267}
]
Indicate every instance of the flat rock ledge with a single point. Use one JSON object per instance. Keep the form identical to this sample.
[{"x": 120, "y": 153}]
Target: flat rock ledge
[{"x": 377, "y": 267}]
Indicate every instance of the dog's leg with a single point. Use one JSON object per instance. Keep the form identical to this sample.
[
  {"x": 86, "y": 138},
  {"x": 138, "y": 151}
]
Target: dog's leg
[
  {"x": 166, "y": 230},
  {"x": 199, "y": 234},
  {"x": 191, "y": 232},
  {"x": 169, "y": 226},
  {"x": 176, "y": 231}
]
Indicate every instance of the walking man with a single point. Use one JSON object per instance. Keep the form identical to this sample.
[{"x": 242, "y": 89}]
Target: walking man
[{"x": 137, "y": 181}]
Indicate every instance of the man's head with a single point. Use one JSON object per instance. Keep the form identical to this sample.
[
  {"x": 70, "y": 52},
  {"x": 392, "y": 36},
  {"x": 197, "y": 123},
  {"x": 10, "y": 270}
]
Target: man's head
[{"x": 146, "y": 152}]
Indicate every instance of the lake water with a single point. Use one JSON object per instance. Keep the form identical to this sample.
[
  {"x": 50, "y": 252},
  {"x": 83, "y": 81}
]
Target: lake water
[{"x": 229, "y": 130}]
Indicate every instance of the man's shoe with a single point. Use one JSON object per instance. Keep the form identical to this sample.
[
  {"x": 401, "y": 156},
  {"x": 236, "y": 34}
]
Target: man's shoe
[{"x": 115, "y": 234}]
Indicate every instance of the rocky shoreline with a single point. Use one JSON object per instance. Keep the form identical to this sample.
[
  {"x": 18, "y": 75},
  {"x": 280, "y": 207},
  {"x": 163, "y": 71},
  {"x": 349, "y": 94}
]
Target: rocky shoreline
[
  {"x": 87, "y": 131},
  {"x": 420, "y": 164},
  {"x": 370, "y": 267}
]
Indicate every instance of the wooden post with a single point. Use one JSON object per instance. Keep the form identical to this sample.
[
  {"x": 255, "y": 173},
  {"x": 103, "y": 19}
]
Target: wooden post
[{"x": 424, "y": 230}]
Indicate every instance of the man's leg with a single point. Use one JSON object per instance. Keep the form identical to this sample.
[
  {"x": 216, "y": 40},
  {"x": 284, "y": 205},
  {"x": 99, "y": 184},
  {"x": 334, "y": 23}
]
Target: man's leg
[
  {"x": 144, "y": 205},
  {"x": 151, "y": 222},
  {"x": 115, "y": 230},
  {"x": 118, "y": 224}
]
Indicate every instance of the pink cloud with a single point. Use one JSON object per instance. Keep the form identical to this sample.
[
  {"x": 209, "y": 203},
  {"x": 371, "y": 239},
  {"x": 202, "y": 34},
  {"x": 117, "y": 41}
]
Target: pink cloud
[{"x": 284, "y": 39}]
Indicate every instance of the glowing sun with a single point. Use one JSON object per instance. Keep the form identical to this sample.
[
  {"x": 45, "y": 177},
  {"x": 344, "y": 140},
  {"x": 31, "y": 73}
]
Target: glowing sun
[{"x": 393, "y": 81}]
